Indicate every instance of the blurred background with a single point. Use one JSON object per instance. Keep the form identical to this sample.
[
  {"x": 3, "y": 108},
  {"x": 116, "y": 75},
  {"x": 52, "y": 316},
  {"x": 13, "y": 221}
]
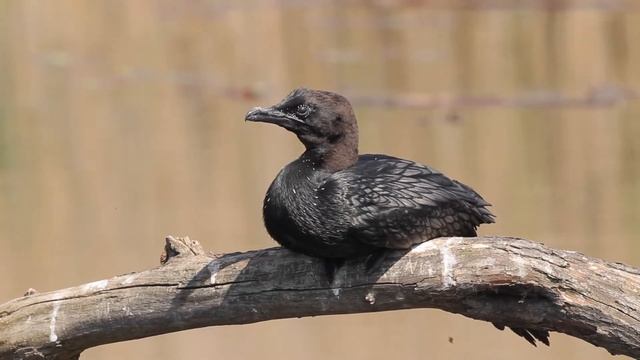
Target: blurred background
[{"x": 122, "y": 122}]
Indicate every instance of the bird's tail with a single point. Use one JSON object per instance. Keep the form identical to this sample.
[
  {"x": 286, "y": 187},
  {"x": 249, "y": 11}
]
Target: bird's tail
[{"x": 531, "y": 335}]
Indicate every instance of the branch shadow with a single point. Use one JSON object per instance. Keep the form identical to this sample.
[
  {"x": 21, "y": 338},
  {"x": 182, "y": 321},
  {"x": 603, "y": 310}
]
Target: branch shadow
[{"x": 262, "y": 275}]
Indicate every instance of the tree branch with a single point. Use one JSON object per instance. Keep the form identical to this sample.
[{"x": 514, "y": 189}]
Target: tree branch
[{"x": 506, "y": 281}]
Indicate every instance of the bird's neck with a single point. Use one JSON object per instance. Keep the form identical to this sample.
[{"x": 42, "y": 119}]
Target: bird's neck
[{"x": 333, "y": 157}]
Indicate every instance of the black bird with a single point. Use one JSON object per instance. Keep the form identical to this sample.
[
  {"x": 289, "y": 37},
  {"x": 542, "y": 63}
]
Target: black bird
[{"x": 333, "y": 204}]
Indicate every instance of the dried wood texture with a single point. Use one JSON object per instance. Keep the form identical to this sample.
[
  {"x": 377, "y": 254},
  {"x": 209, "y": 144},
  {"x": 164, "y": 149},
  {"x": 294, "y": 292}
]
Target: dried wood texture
[{"x": 507, "y": 281}]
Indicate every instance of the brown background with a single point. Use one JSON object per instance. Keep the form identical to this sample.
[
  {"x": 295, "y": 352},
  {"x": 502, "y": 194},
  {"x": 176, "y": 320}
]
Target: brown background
[{"x": 122, "y": 122}]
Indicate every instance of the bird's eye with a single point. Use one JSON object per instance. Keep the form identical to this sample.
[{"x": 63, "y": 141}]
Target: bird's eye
[{"x": 303, "y": 110}]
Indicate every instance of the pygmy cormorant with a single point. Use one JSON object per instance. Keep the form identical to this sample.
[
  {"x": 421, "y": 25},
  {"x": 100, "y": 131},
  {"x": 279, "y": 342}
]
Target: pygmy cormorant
[{"x": 334, "y": 204}]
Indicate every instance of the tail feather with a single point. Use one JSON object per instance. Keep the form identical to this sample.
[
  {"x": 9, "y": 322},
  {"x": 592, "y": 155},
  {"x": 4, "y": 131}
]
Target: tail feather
[{"x": 531, "y": 335}]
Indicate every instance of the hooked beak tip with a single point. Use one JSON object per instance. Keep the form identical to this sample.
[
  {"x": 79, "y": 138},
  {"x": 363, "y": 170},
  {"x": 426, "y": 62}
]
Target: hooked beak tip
[{"x": 254, "y": 114}]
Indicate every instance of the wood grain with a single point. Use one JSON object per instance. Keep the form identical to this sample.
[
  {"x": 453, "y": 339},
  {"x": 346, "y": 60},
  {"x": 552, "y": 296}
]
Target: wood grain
[{"x": 508, "y": 281}]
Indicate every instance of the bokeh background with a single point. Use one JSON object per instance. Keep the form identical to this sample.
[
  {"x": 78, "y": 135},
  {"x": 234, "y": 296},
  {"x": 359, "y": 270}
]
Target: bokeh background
[{"x": 122, "y": 122}]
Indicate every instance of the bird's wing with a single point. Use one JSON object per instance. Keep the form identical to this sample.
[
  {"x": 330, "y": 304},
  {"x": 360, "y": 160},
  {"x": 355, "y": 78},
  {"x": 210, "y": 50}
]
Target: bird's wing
[{"x": 396, "y": 203}]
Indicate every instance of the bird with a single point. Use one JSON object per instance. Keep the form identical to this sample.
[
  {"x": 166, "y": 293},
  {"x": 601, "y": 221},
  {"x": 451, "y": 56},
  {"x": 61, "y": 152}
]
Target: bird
[{"x": 335, "y": 204}]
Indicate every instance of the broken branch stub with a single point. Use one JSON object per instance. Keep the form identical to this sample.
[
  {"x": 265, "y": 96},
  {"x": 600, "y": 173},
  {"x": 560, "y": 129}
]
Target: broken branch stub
[{"x": 180, "y": 246}]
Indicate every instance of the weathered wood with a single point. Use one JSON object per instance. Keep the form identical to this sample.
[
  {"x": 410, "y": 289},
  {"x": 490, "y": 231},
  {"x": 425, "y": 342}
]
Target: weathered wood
[{"x": 503, "y": 280}]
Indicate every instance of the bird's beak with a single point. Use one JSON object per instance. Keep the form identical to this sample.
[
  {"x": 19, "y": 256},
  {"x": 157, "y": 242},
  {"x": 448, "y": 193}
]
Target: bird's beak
[{"x": 274, "y": 116}]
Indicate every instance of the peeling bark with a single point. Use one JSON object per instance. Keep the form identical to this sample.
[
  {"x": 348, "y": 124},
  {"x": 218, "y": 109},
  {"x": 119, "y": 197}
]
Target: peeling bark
[{"x": 507, "y": 281}]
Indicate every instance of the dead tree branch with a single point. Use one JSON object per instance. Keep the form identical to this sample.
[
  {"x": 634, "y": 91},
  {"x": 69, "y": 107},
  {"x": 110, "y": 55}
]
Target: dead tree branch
[{"x": 503, "y": 280}]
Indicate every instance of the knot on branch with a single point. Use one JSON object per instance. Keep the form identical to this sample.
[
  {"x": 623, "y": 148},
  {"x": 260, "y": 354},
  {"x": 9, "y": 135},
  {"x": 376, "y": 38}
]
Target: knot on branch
[{"x": 180, "y": 247}]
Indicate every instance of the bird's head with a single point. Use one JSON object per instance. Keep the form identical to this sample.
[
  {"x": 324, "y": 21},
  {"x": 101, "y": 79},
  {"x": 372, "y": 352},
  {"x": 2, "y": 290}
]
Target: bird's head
[{"x": 323, "y": 121}]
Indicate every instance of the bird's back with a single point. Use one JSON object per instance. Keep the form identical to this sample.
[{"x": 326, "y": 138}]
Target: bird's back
[{"x": 396, "y": 203}]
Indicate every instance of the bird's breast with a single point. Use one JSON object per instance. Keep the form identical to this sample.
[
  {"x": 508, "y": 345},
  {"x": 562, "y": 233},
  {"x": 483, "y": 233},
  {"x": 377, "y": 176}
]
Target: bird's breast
[
  {"x": 300, "y": 215},
  {"x": 291, "y": 204}
]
